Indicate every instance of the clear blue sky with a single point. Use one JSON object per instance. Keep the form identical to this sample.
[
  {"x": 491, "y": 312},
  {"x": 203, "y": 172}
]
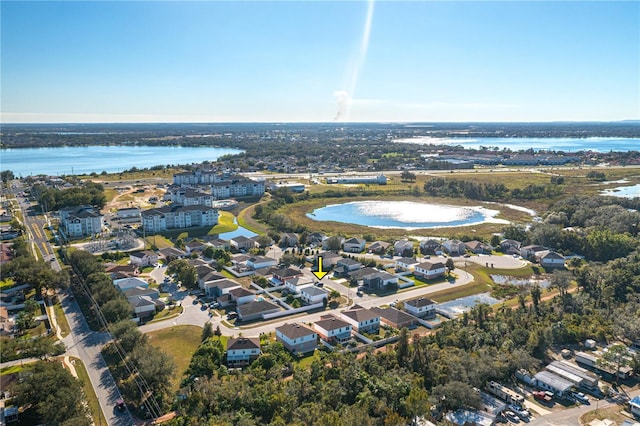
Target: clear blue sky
[{"x": 140, "y": 61}]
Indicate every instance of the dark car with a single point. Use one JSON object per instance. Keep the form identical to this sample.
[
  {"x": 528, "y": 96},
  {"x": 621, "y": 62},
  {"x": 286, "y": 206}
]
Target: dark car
[{"x": 120, "y": 405}]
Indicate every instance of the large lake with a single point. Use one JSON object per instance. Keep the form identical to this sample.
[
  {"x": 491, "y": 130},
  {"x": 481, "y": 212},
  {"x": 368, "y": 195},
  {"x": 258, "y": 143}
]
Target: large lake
[
  {"x": 79, "y": 160},
  {"x": 598, "y": 144},
  {"x": 404, "y": 214}
]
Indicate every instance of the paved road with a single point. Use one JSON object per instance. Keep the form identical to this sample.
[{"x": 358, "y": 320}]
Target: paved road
[
  {"x": 86, "y": 344},
  {"x": 81, "y": 342},
  {"x": 193, "y": 315}
]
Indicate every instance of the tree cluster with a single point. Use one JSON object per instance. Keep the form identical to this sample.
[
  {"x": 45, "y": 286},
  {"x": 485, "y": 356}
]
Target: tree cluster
[
  {"x": 441, "y": 187},
  {"x": 88, "y": 193}
]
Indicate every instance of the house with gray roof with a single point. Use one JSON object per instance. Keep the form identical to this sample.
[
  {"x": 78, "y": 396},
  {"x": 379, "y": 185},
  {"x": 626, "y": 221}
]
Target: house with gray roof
[
  {"x": 362, "y": 320},
  {"x": 256, "y": 310},
  {"x": 297, "y": 338},
  {"x": 242, "y": 351}
]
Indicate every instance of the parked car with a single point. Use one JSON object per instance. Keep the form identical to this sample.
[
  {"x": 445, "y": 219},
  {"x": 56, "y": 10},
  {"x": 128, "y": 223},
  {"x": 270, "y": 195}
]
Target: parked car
[
  {"x": 520, "y": 411},
  {"x": 542, "y": 396},
  {"x": 581, "y": 398},
  {"x": 511, "y": 416},
  {"x": 232, "y": 315},
  {"x": 359, "y": 293}
]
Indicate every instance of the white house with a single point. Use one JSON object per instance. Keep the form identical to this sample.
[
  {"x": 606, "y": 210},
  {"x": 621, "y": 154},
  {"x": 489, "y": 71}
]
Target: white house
[
  {"x": 362, "y": 320},
  {"x": 241, "y": 295},
  {"x": 550, "y": 259},
  {"x": 297, "y": 338},
  {"x": 242, "y": 243},
  {"x": 403, "y": 247},
  {"x": 430, "y": 269},
  {"x": 313, "y": 295},
  {"x": 259, "y": 262},
  {"x": 242, "y": 350},
  {"x": 421, "y": 307},
  {"x": 130, "y": 282},
  {"x": 296, "y": 283},
  {"x": 333, "y": 329},
  {"x": 143, "y": 258},
  {"x": 407, "y": 263},
  {"x": 143, "y": 307},
  {"x": 329, "y": 258},
  {"x": 217, "y": 288},
  {"x": 353, "y": 245},
  {"x": 128, "y": 214}
]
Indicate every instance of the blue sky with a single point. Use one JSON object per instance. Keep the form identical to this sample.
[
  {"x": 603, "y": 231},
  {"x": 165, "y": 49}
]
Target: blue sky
[{"x": 142, "y": 61}]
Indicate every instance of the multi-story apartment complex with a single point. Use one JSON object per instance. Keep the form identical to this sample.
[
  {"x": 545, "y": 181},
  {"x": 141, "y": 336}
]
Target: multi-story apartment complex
[
  {"x": 222, "y": 185},
  {"x": 189, "y": 197},
  {"x": 80, "y": 221},
  {"x": 177, "y": 216}
]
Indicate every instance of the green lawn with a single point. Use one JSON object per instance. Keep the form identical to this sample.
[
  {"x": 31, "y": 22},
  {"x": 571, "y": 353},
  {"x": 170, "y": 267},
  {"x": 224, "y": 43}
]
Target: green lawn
[
  {"x": 307, "y": 360},
  {"x": 180, "y": 343},
  {"x": 457, "y": 292},
  {"x": 61, "y": 320},
  {"x": 89, "y": 393},
  {"x": 225, "y": 224},
  {"x": 167, "y": 313}
]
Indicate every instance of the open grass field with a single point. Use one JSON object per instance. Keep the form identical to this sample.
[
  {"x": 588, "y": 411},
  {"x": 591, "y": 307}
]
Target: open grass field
[
  {"x": 180, "y": 343},
  {"x": 225, "y": 224},
  {"x": 89, "y": 393},
  {"x": 246, "y": 220}
]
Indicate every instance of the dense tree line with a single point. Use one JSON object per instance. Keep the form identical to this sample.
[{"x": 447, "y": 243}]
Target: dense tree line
[
  {"x": 87, "y": 193},
  {"x": 441, "y": 187},
  {"x": 54, "y": 394}
]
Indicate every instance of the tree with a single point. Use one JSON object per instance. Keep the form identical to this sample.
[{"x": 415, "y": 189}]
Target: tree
[
  {"x": 560, "y": 280},
  {"x": 186, "y": 274},
  {"x": 264, "y": 241},
  {"x": 334, "y": 243},
  {"x": 56, "y": 395},
  {"x": 127, "y": 335},
  {"x": 117, "y": 310},
  {"x": 615, "y": 358},
  {"x": 449, "y": 265},
  {"x": 7, "y": 175},
  {"x": 407, "y": 176},
  {"x": 207, "y": 331}
]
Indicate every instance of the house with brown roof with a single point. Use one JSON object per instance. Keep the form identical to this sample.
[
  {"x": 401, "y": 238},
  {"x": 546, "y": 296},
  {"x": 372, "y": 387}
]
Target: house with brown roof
[
  {"x": 379, "y": 247},
  {"x": 478, "y": 247},
  {"x": 430, "y": 269},
  {"x": 420, "y": 307},
  {"x": 297, "y": 338},
  {"x": 362, "y": 320},
  {"x": 241, "y": 295},
  {"x": 395, "y": 318},
  {"x": 143, "y": 258},
  {"x": 332, "y": 329},
  {"x": 242, "y": 351}
]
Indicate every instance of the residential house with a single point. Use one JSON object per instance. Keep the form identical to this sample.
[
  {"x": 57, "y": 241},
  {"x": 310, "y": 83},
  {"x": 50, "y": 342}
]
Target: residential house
[
  {"x": 6, "y": 253},
  {"x": 297, "y": 338},
  {"x": 125, "y": 271},
  {"x": 7, "y": 323},
  {"x": 357, "y": 276},
  {"x": 241, "y": 295},
  {"x": 194, "y": 246},
  {"x": 550, "y": 259},
  {"x": 431, "y": 246},
  {"x": 362, "y": 320},
  {"x": 510, "y": 247},
  {"x": 130, "y": 282},
  {"x": 312, "y": 295},
  {"x": 332, "y": 329},
  {"x": 316, "y": 239},
  {"x": 281, "y": 275},
  {"x": 430, "y": 269},
  {"x": 454, "y": 247},
  {"x": 132, "y": 293},
  {"x": 296, "y": 283},
  {"x": 219, "y": 243},
  {"x": 380, "y": 280},
  {"x": 329, "y": 259},
  {"x": 221, "y": 286},
  {"x": 242, "y": 243},
  {"x": 403, "y": 248},
  {"x": 478, "y": 247},
  {"x": 421, "y": 307},
  {"x": 256, "y": 310},
  {"x": 259, "y": 262},
  {"x": 289, "y": 239},
  {"x": 528, "y": 252},
  {"x": 346, "y": 265},
  {"x": 407, "y": 264},
  {"x": 353, "y": 245},
  {"x": 144, "y": 307},
  {"x": 395, "y": 318},
  {"x": 177, "y": 217},
  {"x": 242, "y": 351},
  {"x": 143, "y": 258},
  {"x": 171, "y": 253},
  {"x": 80, "y": 221},
  {"x": 379, "y": 247}
]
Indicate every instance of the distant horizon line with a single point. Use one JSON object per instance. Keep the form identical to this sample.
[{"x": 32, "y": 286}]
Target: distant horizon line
[{"x": 316, "y": 122}]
